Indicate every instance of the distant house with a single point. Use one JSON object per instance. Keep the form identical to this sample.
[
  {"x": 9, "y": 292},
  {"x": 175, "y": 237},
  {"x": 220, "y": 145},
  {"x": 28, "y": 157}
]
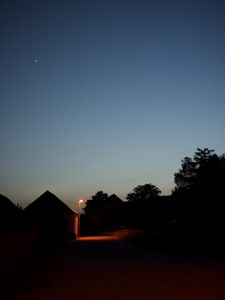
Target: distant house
[
  {"x": 54, "y": 219},
  {"x": 113, "y": 203},
  {"x": 103, "y": 214},
  {"x": 9, "y": 214},
  {"x": 113, "y": 207}
]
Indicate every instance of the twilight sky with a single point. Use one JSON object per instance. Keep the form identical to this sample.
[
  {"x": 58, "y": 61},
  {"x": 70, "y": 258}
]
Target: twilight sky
[{"x": 106, "y": 95}]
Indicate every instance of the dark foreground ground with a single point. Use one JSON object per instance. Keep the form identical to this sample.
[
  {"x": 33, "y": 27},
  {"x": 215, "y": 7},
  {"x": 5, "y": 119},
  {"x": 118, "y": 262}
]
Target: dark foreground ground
[{"x": 106, "y": 268}]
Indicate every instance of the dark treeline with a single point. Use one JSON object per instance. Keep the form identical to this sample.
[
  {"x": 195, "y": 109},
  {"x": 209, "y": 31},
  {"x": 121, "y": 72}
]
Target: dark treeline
[
  {"x": 192, "y": 216},
  {"x": 189, "y": 221}
]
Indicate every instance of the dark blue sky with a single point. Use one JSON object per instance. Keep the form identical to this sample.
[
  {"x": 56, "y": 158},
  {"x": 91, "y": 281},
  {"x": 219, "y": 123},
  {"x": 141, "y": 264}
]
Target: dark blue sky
[{"x": 120, "y": 93}]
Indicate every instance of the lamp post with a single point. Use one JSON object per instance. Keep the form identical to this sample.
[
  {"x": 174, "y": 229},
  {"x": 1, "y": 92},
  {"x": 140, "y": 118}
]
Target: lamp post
[{"x": 79, "y": 208}]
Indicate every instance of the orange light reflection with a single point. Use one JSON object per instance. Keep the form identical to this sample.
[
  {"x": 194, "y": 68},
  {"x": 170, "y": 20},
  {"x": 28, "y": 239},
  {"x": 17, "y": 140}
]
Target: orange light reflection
[{"x": 97, "y": 238}]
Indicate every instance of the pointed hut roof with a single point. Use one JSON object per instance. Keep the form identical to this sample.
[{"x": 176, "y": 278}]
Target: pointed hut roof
[
  {"x": 9, "y": 214},
  {"x": 7, "y": 206},
  {"x": 114, "y": 198},
  {"x": 113, "y": 202},
  {"x": 48, "y": 203}
]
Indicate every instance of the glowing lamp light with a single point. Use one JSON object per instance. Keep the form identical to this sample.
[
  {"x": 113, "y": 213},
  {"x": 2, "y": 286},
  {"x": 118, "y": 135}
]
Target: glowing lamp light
[{"x": 79, "y": 204}]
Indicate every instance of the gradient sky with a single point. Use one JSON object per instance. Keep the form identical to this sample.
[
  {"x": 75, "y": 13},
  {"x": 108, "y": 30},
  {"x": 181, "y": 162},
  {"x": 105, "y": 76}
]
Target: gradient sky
[{"x": 120, "y": 93}]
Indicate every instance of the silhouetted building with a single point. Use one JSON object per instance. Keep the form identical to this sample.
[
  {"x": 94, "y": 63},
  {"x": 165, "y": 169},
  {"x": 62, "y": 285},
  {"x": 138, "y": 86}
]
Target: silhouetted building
[
  {"x": 9, "y": 214},
  {"x": 113, "y": 210},
  {"x": 54, "y": 219}
]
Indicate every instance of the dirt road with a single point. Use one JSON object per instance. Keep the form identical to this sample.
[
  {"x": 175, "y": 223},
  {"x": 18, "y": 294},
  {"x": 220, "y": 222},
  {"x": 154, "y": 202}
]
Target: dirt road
[{"x": 106, "y": 268}]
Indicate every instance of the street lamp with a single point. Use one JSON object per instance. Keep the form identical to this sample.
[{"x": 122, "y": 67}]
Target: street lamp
[{"x": 79, "y": 208}]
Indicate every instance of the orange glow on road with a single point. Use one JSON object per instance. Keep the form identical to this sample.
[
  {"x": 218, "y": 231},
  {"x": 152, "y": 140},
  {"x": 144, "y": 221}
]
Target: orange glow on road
[{"x": 97, "y": 238}]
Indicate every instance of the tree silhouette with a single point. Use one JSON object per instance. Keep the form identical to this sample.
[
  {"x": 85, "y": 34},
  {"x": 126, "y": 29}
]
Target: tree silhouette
[
  {"x": 94, "y": 209},
  {"x": 187, "y": 174},
  {"x": 95, "y": 202},
  {"x": 193, "y": 170},
  {"x": 199, "y": 192},
  {"x": 141, "y": 208},
  {"x": 144, "y": 192}
]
